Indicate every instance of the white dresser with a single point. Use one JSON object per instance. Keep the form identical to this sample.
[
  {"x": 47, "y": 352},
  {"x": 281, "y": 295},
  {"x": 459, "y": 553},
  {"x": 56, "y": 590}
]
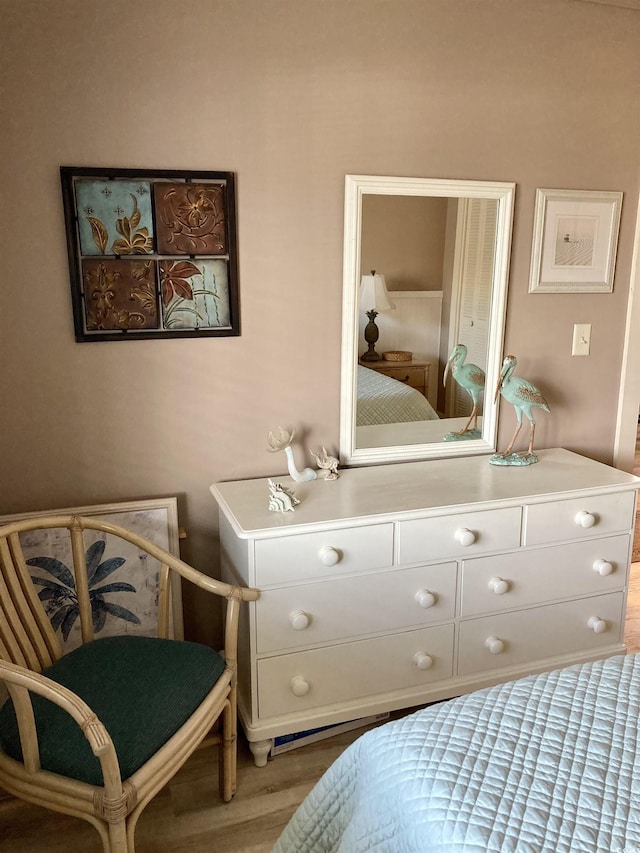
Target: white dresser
[{"x": 397, "y": 585}]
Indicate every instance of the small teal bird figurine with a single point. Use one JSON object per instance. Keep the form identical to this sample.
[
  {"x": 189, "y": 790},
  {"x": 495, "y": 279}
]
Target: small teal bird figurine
[
  {"x": 468, "y": 376},
  {"x": 524, "y": 397}
]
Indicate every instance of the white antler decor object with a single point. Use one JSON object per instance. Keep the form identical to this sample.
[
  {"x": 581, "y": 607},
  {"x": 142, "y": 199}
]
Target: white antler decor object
[
  {"x": 280, "y": 498},
  {"x": 282, "y": 441},
  {"x": 328, "y": 465}
]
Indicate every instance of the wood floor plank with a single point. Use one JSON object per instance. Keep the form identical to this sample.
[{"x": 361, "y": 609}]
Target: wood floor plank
[
  {"x": 187, "y": 816},
  {"x": 632, "y": 621}
]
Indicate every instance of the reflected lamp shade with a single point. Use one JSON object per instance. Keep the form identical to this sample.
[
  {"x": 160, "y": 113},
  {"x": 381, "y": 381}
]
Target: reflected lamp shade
[{"x": 373, "y": 298}]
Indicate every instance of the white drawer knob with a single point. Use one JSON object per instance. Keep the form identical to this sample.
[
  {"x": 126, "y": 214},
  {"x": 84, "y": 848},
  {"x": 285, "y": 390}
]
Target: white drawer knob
[
  {"x": 329, "y": 556},
  {"x": 499, "y": 586},
  {"x": 299, "y": 686},
  {"x": 585, "y": 519},
  {"x": 423, "y": 660},
  {"x": 495, "y": 645},
  {"x": 602, "y": 567},
  {"x": 465, "y": 537},
  {"x": 597, "y": 625},
  {"x": 299, "y": 620},
  {"x": 425, "y": 598}
]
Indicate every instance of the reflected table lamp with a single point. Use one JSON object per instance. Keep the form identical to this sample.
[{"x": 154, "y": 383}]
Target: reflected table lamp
[{"x": 373, "y": 298}]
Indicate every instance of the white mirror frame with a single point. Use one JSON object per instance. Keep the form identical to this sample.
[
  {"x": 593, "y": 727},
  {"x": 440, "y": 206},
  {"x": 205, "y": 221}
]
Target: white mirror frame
[{"x": 356, "y": 186}]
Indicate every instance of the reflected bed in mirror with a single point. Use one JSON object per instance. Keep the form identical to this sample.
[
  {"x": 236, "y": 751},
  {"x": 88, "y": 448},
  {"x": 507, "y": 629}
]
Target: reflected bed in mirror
[{"x": 441, "y": 249}]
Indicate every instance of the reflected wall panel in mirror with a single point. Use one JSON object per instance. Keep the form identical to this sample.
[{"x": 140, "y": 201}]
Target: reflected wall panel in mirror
[{"x": 443, "y": 249}]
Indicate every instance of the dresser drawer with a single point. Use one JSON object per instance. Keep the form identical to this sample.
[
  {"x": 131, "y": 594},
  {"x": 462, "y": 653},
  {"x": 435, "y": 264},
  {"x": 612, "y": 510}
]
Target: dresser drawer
[
  {"x": 343, "y": 608},
  {"x": 506, "y": 581},
  {"x": 509, "y": 639},
  {"x": 311, "y": 679},
  {"x": 413, "y": 376},
  {"x": 576, "y": 518},
  {"x": 311, "y": 555},
  {"x": 466, "y": 533}
]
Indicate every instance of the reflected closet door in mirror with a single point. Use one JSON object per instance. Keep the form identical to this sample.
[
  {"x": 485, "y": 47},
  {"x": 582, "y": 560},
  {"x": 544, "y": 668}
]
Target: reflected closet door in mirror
[{"x": 443, "y": 248}]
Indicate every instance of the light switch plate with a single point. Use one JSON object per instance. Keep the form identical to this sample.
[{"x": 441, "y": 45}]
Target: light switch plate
[{"x": 581, "y": 339}]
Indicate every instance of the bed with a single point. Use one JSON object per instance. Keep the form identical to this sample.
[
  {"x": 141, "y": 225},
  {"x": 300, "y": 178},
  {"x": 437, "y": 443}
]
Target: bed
[
  {"x": 545, "y": 764},
  {"x": 384, "y": 400}
]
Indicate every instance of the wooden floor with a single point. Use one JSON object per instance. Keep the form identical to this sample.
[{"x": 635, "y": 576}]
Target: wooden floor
[{"x": 187, "y": 816}]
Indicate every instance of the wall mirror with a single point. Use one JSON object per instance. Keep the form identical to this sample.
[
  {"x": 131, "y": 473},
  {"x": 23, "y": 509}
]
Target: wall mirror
[{"x": 427, "y": 262}]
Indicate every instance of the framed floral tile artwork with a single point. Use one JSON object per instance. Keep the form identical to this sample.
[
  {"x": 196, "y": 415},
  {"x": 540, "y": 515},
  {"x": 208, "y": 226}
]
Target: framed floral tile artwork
[{"x": 152, "y": 254}]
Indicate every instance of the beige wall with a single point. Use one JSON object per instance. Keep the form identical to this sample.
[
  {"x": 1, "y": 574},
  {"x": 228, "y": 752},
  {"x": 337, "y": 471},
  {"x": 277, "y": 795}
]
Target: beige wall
[
  {"x": 291, "y": 95},
  {"x": 403, "y": 238}
]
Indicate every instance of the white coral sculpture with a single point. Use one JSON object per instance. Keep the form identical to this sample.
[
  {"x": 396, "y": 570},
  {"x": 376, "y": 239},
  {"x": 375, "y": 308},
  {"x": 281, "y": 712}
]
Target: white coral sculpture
[
  {"x": 328, "y": 465},
  {"x": 281, "y": 499},
  {"x": 282, "y": 441}
]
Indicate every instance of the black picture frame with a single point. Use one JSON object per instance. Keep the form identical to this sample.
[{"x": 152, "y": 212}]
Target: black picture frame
[{"x": 152, "y": 253}]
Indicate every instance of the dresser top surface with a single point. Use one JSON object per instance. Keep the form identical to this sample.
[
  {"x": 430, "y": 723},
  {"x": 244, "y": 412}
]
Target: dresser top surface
[{"x": 363, "y": 495}]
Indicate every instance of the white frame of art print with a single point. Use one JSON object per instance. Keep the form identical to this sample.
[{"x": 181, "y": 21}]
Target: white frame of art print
[
  {"x": 157, "y": 519},
  {"x": 587, "y": 224}
]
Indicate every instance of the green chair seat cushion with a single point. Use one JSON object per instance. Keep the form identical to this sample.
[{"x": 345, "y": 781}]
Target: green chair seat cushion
[{"x": 141, "y": 688}]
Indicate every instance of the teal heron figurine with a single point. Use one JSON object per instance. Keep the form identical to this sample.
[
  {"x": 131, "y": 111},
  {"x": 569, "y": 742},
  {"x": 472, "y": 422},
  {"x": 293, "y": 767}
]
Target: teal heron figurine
[
  {"x": 468, "y": 376},
  {"x": 524, "y": 397}
]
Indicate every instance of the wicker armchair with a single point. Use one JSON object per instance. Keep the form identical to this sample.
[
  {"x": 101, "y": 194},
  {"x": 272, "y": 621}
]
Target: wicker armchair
[{"x": 96, "y": 732}]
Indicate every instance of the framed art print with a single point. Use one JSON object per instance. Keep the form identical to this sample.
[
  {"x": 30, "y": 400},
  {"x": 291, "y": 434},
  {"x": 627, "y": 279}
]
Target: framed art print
[
  {"x": 152, "y": 254},
  {"x": 125, "y": 582},
  {"x": 574, "y": 241}
]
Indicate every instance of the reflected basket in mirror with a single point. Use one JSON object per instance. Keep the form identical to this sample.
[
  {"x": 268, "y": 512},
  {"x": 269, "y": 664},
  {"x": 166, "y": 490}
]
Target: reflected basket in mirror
[{"x": 397, "y": 355}]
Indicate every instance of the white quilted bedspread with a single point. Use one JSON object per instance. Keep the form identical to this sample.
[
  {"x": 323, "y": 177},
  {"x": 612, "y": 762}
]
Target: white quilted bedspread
[
  {"x": 383, "y": 400},
  {"x": 545, "y": 763}
]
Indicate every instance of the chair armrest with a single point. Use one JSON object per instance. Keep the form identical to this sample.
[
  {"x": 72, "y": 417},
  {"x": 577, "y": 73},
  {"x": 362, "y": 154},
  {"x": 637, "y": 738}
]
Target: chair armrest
[
  {"x": 20, "y": 682},
  {"x": 240, "y": 593}
]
